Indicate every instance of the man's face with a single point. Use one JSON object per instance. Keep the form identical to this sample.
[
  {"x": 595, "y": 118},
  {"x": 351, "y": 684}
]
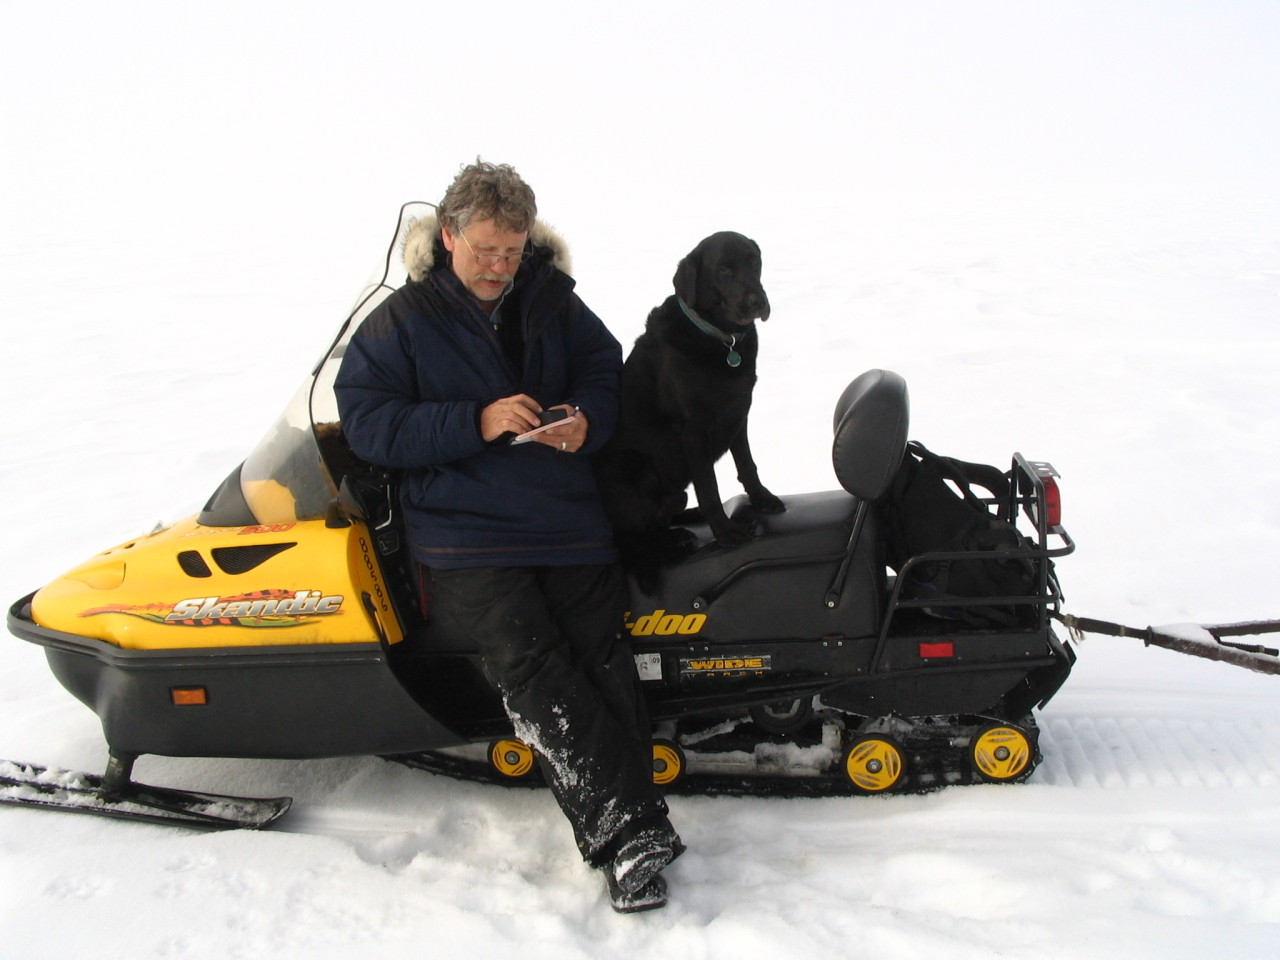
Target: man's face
[{"x": 484, "y": 257}]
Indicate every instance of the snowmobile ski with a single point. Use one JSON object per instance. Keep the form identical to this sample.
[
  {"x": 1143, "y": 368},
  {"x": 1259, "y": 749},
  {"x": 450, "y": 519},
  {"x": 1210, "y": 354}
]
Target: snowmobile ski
[{"x": 37, "y": 786}]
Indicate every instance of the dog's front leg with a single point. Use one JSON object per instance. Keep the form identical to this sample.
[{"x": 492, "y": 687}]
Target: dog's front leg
[
  {"x": 749, "y": 476},
  {"x": 707, "y": 490}
]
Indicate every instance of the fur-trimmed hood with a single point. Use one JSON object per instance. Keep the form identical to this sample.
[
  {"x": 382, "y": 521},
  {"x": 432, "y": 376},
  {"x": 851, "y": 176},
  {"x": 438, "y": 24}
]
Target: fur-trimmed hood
[{"x": 423, "y": 245}]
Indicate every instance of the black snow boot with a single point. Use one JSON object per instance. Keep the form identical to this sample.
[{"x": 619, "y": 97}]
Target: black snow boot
[
  {"x": 642, "y": 854},
  {"x": 649, "y": 897}
]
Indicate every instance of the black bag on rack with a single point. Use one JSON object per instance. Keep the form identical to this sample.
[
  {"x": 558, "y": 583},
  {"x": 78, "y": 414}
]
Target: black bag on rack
[{"x": 923, "y": 513}]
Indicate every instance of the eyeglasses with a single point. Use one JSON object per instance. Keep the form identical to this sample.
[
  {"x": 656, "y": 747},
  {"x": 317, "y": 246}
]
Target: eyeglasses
[{"x": 493, "y": 259}]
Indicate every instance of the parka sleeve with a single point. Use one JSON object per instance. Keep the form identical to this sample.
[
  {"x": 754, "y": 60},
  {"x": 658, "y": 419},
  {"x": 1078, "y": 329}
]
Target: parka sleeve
[
  {"x": 595, "y": 370},
  {"x": 383, "y": 418}
]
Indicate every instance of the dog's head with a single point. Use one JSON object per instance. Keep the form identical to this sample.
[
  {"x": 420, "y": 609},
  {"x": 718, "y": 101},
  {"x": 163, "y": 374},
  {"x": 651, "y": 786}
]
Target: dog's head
[{"x": 720, "y": 279}]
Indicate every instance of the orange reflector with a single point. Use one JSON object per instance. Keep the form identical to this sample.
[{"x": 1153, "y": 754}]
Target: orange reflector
[
  {"x": 930, "y": 650},
  {"x": 189, "y": 696},
  {"x": 1052, "y": 503}
]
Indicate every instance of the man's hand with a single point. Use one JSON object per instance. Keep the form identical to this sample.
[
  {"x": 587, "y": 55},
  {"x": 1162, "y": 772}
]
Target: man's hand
[
  {"x": 508, "y": 415},
  {"x": 568, "y": 438}
]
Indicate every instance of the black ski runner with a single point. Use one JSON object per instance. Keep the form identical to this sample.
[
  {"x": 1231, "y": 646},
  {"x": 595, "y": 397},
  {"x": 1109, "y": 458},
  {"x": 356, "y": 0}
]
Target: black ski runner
[{"x": 37, "y": 786}]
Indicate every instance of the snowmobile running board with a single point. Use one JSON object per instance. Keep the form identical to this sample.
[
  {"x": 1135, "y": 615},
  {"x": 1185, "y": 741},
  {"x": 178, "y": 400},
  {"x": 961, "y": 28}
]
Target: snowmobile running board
[
  {"x": 36, "y": 786},
  {"x": 1196, "y": 640}
]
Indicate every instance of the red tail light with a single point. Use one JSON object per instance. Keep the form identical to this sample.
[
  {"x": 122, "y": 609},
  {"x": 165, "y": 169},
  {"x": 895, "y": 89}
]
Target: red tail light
[{"x": 1052, "y": 503}]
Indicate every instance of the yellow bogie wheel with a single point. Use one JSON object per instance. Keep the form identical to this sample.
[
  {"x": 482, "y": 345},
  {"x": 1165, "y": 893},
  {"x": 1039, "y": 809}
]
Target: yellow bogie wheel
[
  {"x": 668, "y": 762},
  {"x": 1001, "y": 753},
  {"x": 511, "y": 758},
  {"x": 874, "y": 764}
]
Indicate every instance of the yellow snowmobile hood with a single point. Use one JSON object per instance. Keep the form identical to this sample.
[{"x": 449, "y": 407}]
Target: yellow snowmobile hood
[{"x": 190, "y": 585}]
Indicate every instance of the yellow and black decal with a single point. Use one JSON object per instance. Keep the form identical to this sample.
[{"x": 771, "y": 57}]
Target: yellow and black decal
[
  {"x": 747, "y": 666},
  {"x": 659, "y": 623}
]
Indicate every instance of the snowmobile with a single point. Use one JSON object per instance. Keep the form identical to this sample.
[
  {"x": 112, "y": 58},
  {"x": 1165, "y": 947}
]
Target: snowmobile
[{"x": 287, "y": 620}]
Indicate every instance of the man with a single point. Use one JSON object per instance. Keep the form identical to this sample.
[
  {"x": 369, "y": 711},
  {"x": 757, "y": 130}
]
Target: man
[{"x": 438, "y": 380}]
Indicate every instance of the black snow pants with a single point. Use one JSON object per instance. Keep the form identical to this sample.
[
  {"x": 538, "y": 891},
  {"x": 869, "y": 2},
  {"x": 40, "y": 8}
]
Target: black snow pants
[{"x": 551, "y": 642}]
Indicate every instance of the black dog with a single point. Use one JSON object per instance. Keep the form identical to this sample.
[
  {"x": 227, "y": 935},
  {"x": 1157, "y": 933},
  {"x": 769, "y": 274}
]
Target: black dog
[{"x": 686, "y": 391}]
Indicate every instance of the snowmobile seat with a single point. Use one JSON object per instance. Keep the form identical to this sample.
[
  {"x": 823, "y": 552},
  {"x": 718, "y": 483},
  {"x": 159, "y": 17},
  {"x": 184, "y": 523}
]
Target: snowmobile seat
[
  {"x": 823, "y": 553},
  {"x": 794, "y": 556}
]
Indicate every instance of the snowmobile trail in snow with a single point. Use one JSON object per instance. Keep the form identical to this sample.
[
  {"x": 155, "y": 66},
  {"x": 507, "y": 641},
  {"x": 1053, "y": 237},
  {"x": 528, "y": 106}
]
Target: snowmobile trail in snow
[
  {"x": 388, "y": 842},
  {"x": 1109, "y": 752}
]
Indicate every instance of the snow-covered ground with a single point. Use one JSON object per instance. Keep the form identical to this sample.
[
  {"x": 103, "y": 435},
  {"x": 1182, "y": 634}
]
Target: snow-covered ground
[{"x": 1060, "y": 223}]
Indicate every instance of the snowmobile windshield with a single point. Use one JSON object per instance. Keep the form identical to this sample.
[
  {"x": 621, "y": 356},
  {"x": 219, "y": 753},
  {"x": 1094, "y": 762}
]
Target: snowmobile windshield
[
  {"x": 294, "y": 472},
  {"x": 284, "y": 478}
]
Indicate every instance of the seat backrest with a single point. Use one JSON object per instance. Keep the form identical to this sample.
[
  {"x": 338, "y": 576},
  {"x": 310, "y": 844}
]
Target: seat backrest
[{"x": 871, "y": 421}]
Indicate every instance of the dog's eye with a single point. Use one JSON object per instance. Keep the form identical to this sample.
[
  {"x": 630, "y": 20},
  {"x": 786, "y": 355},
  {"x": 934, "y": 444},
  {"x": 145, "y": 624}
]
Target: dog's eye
[{"x": 726, "y": 271}]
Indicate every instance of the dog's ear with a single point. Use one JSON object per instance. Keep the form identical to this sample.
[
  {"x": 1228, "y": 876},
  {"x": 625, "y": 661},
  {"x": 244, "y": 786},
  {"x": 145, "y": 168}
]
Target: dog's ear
[{"x": 686, "y": 280}]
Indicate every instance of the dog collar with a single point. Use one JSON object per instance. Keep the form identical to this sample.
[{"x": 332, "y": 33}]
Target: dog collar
[{"x": 729, "y": 340}]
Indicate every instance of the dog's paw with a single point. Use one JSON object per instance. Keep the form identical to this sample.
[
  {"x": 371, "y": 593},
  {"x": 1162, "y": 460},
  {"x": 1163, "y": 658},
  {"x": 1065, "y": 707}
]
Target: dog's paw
[
  {"x": 677, "y": 543},
  {"x": 766, "y": 502},
  {"x": 733, "y": 534}
]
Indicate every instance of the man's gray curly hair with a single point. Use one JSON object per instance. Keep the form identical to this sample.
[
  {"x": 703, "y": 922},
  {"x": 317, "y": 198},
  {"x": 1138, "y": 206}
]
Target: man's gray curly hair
[{"x": 487, "y": 191}]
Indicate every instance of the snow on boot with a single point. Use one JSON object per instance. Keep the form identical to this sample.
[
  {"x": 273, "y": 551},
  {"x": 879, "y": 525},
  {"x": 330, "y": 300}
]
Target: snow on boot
[
  {"x": 642, "y": 857},
  {"x": 649, "y": 897}
]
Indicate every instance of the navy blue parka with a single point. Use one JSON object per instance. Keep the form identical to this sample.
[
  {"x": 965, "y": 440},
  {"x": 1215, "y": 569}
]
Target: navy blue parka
[{"x": 424, "y": 364}]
